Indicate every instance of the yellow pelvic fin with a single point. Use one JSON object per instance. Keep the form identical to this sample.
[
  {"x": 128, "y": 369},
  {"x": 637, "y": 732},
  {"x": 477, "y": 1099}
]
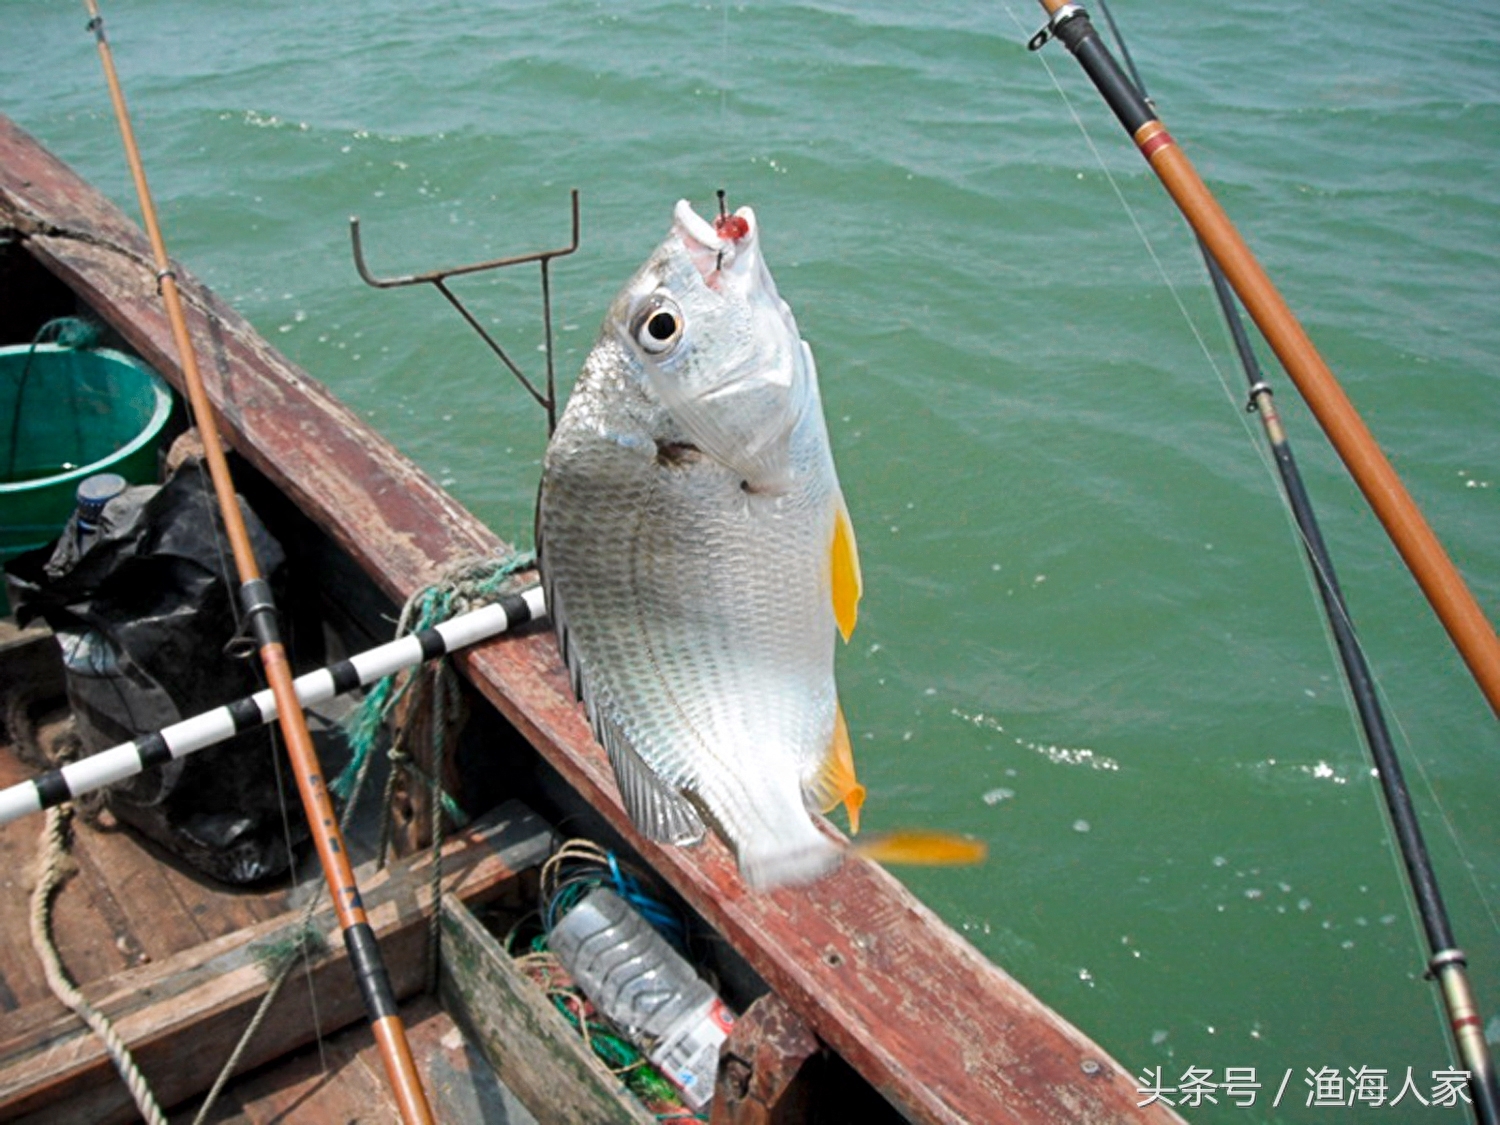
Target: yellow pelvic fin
[
  {"x": 836, "y": 782},
  {"x": 926, "y": 849},
  {"x": 847, "y": 582}
]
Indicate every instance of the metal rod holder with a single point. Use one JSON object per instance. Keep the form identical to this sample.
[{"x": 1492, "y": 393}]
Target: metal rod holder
[{"x": 438, "y": 278}]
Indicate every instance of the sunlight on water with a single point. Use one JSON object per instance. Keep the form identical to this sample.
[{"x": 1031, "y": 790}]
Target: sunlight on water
[{"x": 1059, "y": 755}]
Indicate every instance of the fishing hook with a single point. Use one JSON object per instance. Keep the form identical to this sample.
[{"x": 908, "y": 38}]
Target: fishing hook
[{"x": 723, "y": 214}]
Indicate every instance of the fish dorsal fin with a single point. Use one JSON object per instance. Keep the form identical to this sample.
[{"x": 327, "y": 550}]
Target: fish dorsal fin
[
  {"x": 835, "y": 782},
  {"x": 848, "y": 585}
]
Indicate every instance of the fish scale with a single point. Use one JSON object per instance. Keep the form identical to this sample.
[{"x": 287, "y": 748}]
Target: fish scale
[{"x": 685, "y": 529}]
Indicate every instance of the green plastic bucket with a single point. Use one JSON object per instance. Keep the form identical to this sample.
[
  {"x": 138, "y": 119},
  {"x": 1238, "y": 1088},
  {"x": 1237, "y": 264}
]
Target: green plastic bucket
[{"x": 65, "y": 415}]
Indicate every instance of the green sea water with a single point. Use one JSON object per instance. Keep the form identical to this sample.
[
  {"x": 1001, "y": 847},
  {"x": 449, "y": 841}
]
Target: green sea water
[{"x": 1088, "y": 636}]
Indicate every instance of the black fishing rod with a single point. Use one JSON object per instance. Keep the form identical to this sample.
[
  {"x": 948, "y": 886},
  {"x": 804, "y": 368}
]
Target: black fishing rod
[{"x": 1446, "y": 963}]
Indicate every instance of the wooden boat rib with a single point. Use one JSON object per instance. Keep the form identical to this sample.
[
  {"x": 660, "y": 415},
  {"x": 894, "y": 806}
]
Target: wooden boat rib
[
  {"x": 183, "y": 1014},
  {"x": 938, "y": 1031}
]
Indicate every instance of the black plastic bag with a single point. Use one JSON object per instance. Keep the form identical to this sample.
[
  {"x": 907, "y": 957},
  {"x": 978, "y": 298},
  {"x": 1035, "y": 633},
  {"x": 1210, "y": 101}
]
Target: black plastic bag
[{"x": 144, "y": 614}]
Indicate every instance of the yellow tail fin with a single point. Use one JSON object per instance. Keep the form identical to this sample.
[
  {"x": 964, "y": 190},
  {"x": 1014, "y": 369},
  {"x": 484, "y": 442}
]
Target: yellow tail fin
[
  {"x": 836, "y": 782},
  {"x": 926, "y": 849}
]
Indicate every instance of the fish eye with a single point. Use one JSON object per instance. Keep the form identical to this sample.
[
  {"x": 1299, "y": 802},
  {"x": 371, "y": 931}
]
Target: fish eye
[{"x": 659, "y": 327}]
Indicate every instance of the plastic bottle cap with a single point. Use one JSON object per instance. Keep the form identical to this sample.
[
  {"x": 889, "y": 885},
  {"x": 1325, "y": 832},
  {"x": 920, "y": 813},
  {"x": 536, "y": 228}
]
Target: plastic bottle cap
[{"x": 96, "y": 491}]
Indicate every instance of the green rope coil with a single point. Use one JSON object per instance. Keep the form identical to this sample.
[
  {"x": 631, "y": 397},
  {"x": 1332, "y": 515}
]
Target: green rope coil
[
  {"x": 465, "y": 587},
  {"x": 622, "y": 1057}
]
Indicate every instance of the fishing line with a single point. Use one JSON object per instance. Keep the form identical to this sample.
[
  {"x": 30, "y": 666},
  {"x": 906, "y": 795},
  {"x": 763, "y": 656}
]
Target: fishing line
[
  {"x": 301, "y": 884},
  {"x": 1307, "y": 561},
  {"x": 724, "y": 69},
  {"x": 1234, "y": 400},
  {"x": 227, "y": 575},
  {"x": 365, "y": 956},
  {"x": 1470, "y": 867},
  {"x": 1236, "y": 403},
  {"x": 1414, "y": 539},
  {"x": 1252, "y": 438},
  {"x": 1150, "y": 247},
  {"x": 1317, "y": 572},
  {"x": 1224, "y": 380}
]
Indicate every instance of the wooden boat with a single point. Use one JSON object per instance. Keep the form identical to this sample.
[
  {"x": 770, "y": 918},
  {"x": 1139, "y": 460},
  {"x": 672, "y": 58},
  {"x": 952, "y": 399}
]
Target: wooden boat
[{"x": 855, "y": 1001}]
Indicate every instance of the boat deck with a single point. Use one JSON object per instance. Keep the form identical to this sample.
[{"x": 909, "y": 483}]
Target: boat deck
[
  {"x": 127, "y": 902},
  {"x": 128, "y": 906},
  {"x": 341, "y": 1079}
]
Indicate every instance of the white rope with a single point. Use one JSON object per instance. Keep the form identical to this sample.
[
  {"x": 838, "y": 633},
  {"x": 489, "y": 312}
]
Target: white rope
[{"x": 50, "y": 853}]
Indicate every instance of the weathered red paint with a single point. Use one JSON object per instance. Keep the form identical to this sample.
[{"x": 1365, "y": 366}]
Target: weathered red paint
[{"x": 762, "y": 1068}]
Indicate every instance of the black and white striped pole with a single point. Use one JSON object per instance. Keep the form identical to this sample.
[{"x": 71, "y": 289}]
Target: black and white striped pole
[{"x": 212, "y": 727}]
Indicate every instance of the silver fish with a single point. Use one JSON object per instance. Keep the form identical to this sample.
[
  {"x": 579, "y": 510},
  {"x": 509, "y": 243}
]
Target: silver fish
[{"x": 699, "y": 559}]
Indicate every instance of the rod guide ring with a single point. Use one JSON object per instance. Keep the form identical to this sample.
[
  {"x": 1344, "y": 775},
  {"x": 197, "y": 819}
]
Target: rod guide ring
[
  {"x": 1444, "y": 958},
  {"x": 1057, "y": 19},
  {"x": 1258, "y": 388}
]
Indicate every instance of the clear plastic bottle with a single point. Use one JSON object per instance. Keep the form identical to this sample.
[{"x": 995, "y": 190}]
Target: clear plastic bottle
[{"x": 641, "y": 984}]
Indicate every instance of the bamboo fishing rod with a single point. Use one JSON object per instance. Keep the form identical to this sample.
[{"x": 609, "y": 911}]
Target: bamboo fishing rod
[
  {"x": 1456, "y": 607},
  {"x": 260, "y": 614},
  {"x": 1446, "y": 961}
]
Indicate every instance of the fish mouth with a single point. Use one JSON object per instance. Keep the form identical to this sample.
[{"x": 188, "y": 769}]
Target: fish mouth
[{"x": 717, "y": 248}]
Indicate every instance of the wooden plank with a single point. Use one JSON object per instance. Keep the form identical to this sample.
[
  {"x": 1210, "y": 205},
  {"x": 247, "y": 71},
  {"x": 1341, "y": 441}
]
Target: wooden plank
[
  {"x": 22, "y": 981},
  {"x": 763, "y": 1067},
  {"x": 944, "y": 1035},
  {"x": 88, "y": 930},
  {"x": 533, "y": 1049},
  {"x": 213, "y": 909},
  {"x": 125, "y": 903},
  {"x": 326, "y": 1081},
  {"x": 181, "y": 1016},
  {"x": 460, "y": 1081},
  {"x": 140, "y": 890},
  {"x": 342, "y": 1079},
  {"x": 90, "y": 927}
]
